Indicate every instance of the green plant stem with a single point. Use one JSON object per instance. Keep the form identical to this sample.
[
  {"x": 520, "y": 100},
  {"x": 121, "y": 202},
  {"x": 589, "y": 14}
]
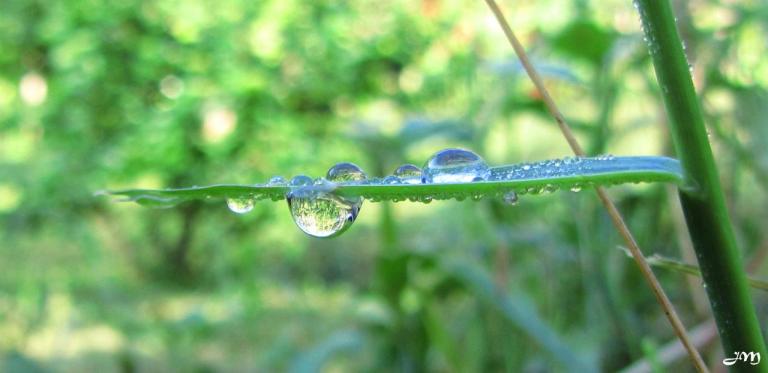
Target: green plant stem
[{"x": 701, "y": 195}]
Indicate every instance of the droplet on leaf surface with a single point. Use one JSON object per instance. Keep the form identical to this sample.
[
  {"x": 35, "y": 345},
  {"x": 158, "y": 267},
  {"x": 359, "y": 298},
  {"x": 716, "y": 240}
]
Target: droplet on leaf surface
[
  {"x": 455, "y": 166},
  {"x": 345, "y": 172},
  {"x": 409, "y": 174},
  {"x": 276, "y": 181},
  {"x": 301, "y": 180}
]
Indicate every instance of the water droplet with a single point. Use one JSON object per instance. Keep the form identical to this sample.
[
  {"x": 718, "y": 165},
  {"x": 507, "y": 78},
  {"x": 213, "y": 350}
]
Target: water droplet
[
  {"x": 301, "y": 180},
  {"x": 510, "y": 198},
  {"x": 276, "y": 181},
  {"x": 391, "y": 179},
  {"x": 345, "y": 172},
  {"x": 604, "y": 157},
  {"x": 321, "y": 214},
  {"x": 240, "y": 205},
  {"x": 455, "y": 166},
  {"x": 409, "y": 174}
]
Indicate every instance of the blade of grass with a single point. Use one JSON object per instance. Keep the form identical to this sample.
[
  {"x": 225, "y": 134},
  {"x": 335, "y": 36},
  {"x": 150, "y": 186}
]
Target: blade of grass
[
  {"x": 613, "y": 212},
  {"x": 521, "y": 178},
  {"x": 701, "y": 195},
  {"x": 517, "y": 311},
  {"x": 657, "y": 260}
]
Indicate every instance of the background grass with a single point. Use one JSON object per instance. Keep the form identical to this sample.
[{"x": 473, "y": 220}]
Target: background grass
[{"x": 98, "y": 95}]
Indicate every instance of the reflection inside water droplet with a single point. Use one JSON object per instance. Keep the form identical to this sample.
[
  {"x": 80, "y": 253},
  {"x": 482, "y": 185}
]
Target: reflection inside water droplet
[
  {"x": 301, "y": 180},
  {"x": 409, "y": 174},
  {"x": 321, "y": 214},
  {"x": 345, "y": 172},
  {"x": 455, "y": 166},
  {"x": 276, "y": 181},
  {"x": 240, "y": 205},
  {"x": 391, "y": 179}
]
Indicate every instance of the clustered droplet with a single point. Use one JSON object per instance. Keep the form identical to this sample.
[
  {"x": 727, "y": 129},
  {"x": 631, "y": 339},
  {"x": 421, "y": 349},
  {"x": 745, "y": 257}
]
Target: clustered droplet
[
  {"x": 320, "y": 212},
  {"x": 316, "y": 210}
]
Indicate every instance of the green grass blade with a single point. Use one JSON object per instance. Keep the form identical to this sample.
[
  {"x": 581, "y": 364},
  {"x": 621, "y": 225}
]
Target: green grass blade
[
  {"x": 521, "y": 178},
  {"x": 518, "y": 312},
  {"x": 675, "y": 265}
]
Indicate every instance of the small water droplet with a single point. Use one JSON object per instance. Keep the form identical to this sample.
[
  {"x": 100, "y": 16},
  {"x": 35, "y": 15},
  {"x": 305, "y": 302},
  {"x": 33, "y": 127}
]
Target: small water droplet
[
  {"x": 604, "y": 157},
  {"x": 321, "y": 214},
  {"x": 301, "y": 180},
  {"x": 455, "y": 166},
  {"x": 345, "y": 172},
  {"x": 391, "y": 179},
  {"x": 240, "y": 205},
  {"x": 276, "y": 181},
  {"x": 409, "y": 174},
  {"x": 510, "y": 198}
]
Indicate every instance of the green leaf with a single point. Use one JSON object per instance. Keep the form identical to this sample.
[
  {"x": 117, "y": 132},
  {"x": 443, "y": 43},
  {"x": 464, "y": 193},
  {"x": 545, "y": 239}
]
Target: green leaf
[{"x": 532, "y": 178}]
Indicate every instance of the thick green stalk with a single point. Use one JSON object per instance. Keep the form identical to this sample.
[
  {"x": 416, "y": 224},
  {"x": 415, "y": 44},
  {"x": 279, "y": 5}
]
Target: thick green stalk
[{"x": 701, "y": 195}]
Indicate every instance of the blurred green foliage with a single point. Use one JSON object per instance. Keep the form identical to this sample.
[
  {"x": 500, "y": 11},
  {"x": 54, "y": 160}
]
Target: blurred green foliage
[{"x": 97, "y": 94}]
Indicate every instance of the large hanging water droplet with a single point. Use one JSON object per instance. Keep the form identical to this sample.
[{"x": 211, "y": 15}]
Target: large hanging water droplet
[
  {"x": 321, "y": 214},
  {"x": 240, "y": 205},
  {"x": 409, "y": 174},
  {"x": 455, "y": 166},
  {"x": 345, "y": 172}
]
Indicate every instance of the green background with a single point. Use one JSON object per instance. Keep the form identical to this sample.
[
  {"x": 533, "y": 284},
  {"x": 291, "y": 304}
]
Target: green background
[{"x": 152, "y": 94}]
